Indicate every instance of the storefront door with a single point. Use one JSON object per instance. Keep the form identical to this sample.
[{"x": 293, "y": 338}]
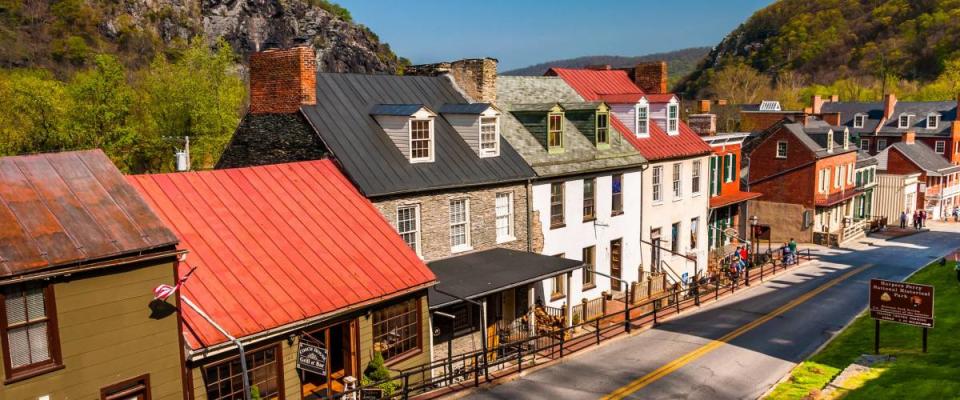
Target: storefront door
[{"x": 339, "y": 343}]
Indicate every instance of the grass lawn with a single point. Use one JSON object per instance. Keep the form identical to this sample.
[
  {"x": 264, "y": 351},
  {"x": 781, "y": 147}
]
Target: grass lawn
[{"x": 913, "y": 375}]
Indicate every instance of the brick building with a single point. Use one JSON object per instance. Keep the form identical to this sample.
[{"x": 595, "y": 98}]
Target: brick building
[
  {"x": 426, "y": 149},
  {"x": 728, "y": 202},
  {"x": 938, "y": 181},
  {"x": 807, "y": 176}
]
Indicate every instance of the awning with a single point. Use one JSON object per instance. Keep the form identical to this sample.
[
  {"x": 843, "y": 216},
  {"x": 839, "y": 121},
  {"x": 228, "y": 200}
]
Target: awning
[
  {"x": 475, "y": 275},
  {"x": 731, "y": 198}
]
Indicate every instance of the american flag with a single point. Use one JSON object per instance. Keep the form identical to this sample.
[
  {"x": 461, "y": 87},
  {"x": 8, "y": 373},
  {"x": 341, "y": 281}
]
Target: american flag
[{"x": 163, "y": 291}]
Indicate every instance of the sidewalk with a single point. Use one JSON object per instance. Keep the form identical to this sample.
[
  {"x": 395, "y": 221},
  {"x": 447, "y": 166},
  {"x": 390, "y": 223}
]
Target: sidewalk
[{"x": 894, "y": 232}]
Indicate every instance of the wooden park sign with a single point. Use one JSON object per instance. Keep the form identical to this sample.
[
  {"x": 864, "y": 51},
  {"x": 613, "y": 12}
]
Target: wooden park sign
[
  {"x": 903, "y": 303},
  {"x": 312, "y": 358}
]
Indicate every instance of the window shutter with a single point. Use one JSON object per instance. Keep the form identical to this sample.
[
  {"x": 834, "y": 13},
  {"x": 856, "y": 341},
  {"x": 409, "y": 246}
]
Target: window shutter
[{"x": 726, "y": 171}]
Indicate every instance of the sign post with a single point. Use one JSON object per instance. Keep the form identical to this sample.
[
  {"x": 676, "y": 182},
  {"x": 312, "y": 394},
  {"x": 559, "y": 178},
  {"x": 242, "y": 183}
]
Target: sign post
[{"x": 903, "y": 303}]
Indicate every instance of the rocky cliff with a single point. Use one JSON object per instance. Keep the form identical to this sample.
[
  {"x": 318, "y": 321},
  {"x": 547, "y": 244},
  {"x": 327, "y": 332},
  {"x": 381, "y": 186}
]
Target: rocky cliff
[{"x": 64, "y": 34}]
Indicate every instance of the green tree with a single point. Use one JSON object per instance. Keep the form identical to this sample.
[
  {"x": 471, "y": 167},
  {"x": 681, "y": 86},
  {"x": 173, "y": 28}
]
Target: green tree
[
  {"x": 101, "y": 109},
  {"x": 34, "y": 115},
  {"x": 200, "y": 95}
]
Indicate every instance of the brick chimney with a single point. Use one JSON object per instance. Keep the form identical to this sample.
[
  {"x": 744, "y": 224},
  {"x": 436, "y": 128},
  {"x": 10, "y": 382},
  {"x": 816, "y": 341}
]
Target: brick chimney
[
  {"x": 703, "y": 124},
  {"x": 703, "y": 106},
  {"x": 282, "y": 80},
  {"x": 816, "y": 104},
  {"x": 476, "y": 77},
  {"x": 831, "y": 118},
  {"x": 889, "y": 104},
  {"x": 651, "y": 77},
  {"x": 910, "y": 136},
  {"x": 834, "y": 98}
]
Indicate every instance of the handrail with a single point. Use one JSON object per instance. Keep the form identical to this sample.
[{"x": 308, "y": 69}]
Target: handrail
[{"x": 670, "y": 272}]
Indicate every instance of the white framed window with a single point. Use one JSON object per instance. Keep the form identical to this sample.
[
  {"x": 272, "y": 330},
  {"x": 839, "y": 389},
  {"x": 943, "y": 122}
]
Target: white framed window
[
  {"x": 489, "y": 136},
  {"x": 859, "y": 120},
  {"x": 782, "y": 149},
  {"x": 459, "y": 225},
  {"x": 933, "y": 121},
  {"x": 643, "y": 120},
  {"x": 421, "y": 140},
  {"x": 673, "y": 118},
  {"x": 865, "y": 144},
  {"x": 846, "y": 139},
  {"x": 408, "y": 225},
  {"x": 29, "y": 332},
  {"x": 940, "y": 146},
  {"x": 657, "y": 181},
  {"x": 695, "y": 178},
  {"x": 830, "y": 141},
  {"x": 729, "y": 167},
  {"x": 903, "y": 121},
  {"x": 838, "y": 177},
  {"x": 694, "y": 232},
  {"x": 881, "y": 144},
  {"x": 850, "y": 171},
  {"x": 677, "y": 187},
  {"x": 504, "y": 212},
  {"x": 824, "y": 180}
]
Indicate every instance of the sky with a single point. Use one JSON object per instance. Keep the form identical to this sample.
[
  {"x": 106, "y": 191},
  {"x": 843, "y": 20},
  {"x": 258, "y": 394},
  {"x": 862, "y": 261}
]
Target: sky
[{"x": 524, "y": 32}]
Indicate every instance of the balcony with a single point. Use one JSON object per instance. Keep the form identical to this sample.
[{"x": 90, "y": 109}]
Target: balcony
[
  {"x": 941, "y": 192},
  {"x": 827, "y": 200}
]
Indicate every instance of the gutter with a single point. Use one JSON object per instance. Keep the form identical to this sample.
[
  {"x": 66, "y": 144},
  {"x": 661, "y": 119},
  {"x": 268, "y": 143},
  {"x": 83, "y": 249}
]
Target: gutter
[
  {"x": 202, "y": 353},
  {"x": 91, "y": 267}
]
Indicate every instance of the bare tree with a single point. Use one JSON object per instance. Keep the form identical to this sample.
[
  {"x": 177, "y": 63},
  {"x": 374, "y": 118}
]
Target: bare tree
[{"x": 739, "y": 83}]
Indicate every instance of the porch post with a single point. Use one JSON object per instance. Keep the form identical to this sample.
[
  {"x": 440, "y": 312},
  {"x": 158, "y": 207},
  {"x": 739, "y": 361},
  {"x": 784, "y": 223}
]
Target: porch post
[
  {"x": 568, "y": 318},
  {"x": 531, "y": 307}
]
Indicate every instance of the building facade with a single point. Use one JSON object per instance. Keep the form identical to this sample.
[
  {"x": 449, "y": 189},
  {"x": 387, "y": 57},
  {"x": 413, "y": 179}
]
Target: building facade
[
  {"x": 82, "y": 254},
  {"x": 938, "y": 183},
  {"x": 675, "y": 195},
  {"x": 727, "y": 200}
]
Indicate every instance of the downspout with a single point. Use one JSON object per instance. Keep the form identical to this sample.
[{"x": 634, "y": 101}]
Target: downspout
[
  {"x": 243, "y": 356},
  {"x": 529, "y": 189},
  {"x": 643, "y": 168}
]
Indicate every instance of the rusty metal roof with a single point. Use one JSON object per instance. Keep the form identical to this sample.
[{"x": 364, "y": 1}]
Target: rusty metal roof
[{"x": 67, "y": 209}]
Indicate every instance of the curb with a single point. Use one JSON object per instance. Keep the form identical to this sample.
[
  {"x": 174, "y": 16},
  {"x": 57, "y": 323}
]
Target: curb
[{"x": 839, "y": 331}]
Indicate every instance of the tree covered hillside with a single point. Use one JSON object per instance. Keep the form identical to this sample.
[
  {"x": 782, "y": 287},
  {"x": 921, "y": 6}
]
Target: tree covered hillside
[{"x": 897, "y": 45}]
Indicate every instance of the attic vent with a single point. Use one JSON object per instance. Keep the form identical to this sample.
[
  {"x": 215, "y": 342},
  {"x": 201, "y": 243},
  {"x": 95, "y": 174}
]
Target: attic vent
[{"x": 770, "y": 105}]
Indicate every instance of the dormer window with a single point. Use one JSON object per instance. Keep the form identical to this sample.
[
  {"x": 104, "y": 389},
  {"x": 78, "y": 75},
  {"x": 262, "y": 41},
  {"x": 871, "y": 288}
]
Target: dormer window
[
  {"x": 830, "y": 141},
  {"x": 846, "y": 139},
  {"x": 489, "y": 136},
  {"x": 421, "y": 140},
  {"x": 643, "y": 120},
  {"x": 603, "y": 129},
  {"x": 859, "y": 120},
  {"x": 555, "y": 132},
  {"x": 933, "y": 121},
  {"x": 673, "y": 118},
  {"x": 904, "y": 121}
]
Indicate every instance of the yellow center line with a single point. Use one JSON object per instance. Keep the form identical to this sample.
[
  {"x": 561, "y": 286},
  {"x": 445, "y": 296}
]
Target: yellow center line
[{"x": 685, "y": 359}]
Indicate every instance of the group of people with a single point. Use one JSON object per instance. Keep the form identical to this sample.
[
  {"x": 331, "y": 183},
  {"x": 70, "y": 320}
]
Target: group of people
[
  {"x": 919, "y": 219},
  {"x": 789, "y": 250}
]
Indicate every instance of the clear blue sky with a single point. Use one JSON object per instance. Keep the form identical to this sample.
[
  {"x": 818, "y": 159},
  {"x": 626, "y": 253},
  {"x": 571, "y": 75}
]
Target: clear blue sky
[{"x": 524, "y": 32}]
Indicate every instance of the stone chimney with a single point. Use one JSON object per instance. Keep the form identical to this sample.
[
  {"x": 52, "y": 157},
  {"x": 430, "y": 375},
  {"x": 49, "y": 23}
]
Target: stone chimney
[
  {"x": 703, "y": 106},
  {"x": 703, "y": 124},
  {"x": 834, "y": 98},
  {"x": 282, "y": 80},
  {"x": 476, "y": 77},
  {"x": 889, "y": 104},
  {"x": 816, "y": 104},
  {"x": 651, "y": 77},
  {"x": 910, "y": 136}
]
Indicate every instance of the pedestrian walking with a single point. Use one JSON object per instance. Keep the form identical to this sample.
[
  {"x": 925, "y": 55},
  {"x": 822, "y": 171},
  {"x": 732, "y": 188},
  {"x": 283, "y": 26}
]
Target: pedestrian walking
[
  {"x": 916, "y": 220},
  {"x": 956, "y": 214},
  {"x": 903, "y": 219},
  {"x": 793, "y": 250},
  {"x": 923, "y": 219}
]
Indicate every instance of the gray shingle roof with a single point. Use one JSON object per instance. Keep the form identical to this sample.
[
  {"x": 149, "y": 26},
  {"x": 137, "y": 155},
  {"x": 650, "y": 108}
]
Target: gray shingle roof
[
  {"x": 342, "y": 119},
  {"x": 874, "y": 113},
  {"x": 464, "y": 108},
  {"x": 521, "y": 93},
  {"x": 814, "y": 137},
  {"x": 923, "y": 156}
]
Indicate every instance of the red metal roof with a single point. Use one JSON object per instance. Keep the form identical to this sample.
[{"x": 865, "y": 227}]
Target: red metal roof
[
  {"x": 615, "y": 86},
  {"x": 660, "y": 97},
  {"x": 64, "y": 209},
  {"x": 731, "y": 198},
  {"x": 277, "y": 244}
]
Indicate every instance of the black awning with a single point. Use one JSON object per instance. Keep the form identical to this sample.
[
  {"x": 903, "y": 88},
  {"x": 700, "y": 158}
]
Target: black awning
[{"x": 478, "y": 274}]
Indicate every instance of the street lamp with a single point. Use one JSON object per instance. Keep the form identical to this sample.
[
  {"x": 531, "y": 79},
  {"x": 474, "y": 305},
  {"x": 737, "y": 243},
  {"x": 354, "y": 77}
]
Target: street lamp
[{"x": 754, "y": 221}]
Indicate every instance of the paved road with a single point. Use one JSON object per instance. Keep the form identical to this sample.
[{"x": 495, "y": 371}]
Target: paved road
[{"x": 747, "y": 365}]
